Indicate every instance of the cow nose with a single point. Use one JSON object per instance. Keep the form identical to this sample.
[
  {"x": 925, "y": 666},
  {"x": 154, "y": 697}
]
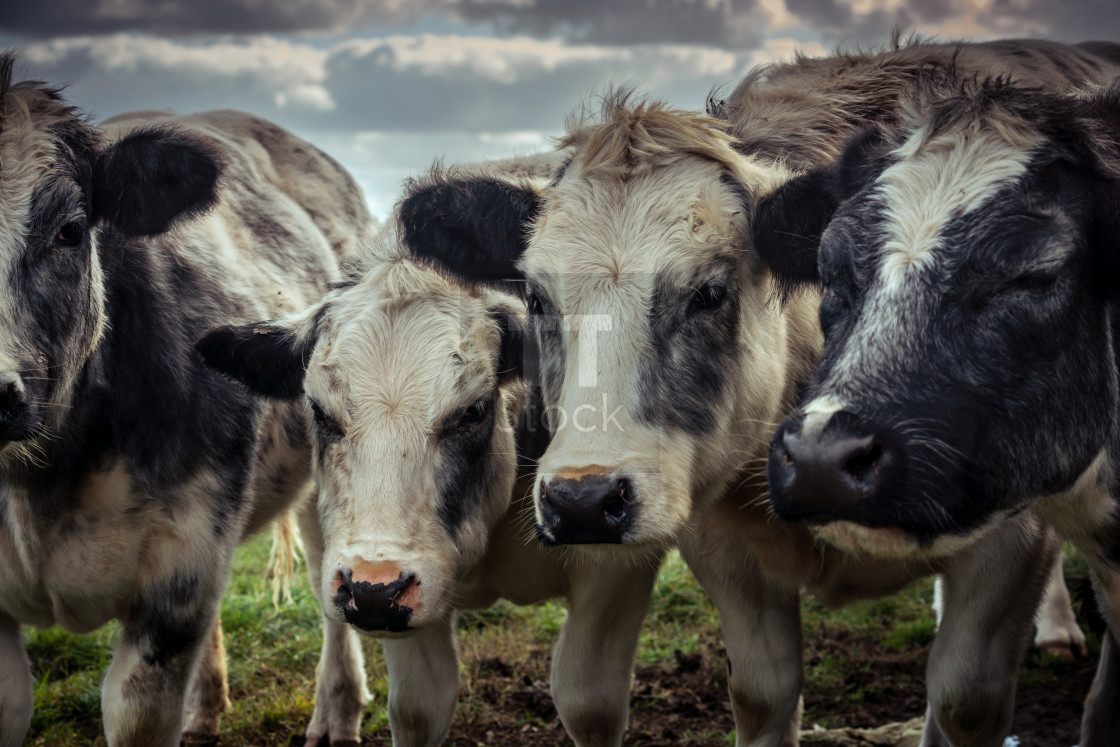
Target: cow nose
[
  {"x": 14, "y": 422},
  {"x": 376, "y": 597},
  {"x": 592, "y": 509},
  {"x": 838, "y": 474}
]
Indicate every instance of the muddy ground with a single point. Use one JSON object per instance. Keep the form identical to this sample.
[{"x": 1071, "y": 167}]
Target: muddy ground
[{"x": 687, "y": 703}]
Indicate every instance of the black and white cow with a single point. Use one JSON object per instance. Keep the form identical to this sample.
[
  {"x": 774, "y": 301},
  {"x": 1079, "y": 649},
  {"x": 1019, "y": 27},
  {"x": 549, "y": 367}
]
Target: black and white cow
[
  {"x": 129, "y": 471},
  {"x": 414, "y": 385},
  {"x": 970, "y": 366},
  {"x": 665, "y": 363}
]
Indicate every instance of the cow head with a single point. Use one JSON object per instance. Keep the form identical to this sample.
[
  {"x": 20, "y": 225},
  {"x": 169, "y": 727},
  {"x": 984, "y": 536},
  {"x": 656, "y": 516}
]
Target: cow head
[
  {"x": 969, "y": 364},
  {"x": 652, "y": 316},
  {"x": 409, "y": 381},
  {"x": 66, "y": 198}
]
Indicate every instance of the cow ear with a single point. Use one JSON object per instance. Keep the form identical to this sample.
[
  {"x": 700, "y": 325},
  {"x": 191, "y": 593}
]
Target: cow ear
[
  {"x": 864, "y": 156},
  {"x": 268, "y": 357},
  {"x": 515, "y": 341},
  {"x": 152, "y": 177},
  {"x": 473, "y": 227},
  {"x": 787, "y": 228}
]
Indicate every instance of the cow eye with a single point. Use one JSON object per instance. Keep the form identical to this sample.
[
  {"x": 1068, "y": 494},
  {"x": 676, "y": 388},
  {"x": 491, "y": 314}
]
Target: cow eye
[
  {"x": 533, "y": 304},
  {"x": 473, "y": 416},
  {"x": 707, "y": 297},
  {"x": 327, "y": 427},
  {"x": 71, "y": 234}
]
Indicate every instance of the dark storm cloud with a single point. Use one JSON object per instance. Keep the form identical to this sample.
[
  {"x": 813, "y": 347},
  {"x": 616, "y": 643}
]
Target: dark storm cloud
[
  {"x": 837, "y": 24},
  {"x": 931, "y": 11},
  {"x": 722, "y": 22},
  {"x": 719, "y": 22},
  {"x": 80, "y": 17},
  {"x": 1064, "y": 20}
]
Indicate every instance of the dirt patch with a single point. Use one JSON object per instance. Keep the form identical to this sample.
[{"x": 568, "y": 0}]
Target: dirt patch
[{"x": 686, "y": 704}]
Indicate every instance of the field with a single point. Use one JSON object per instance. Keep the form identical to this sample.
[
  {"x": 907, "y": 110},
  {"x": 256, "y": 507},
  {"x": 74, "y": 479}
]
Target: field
[{"x": 864, "y": 668}]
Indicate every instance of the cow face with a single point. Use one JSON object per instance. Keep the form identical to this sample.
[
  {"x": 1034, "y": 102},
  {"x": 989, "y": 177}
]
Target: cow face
[
  {"x": 67, "y": 199},
  {"x": 645, "y": 302},
  {"x": 414, "y": 457},
  {"x": 968, "y": 366}
]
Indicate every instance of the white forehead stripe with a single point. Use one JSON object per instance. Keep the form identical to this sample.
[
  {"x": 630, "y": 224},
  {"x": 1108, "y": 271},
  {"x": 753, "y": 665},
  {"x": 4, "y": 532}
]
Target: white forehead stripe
[
  {"x": 819, "y": 412},
  {"x": 951, "y": 175}
]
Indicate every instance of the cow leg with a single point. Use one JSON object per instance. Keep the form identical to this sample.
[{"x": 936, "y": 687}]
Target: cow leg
[
  {"x": 162, "y": 638},
  {"x": 341, "y": 694},
  {"x": 1101, "y": 721},
  {"x": 423, "y": 684},
  {"x": 16, "y": 699},
  {"x": 208, "y": 696},
  {"x": 761, "y": 622},
  {"x": 1056, "y": 627},
  {"x": 594, "y": 655},
  {"x": 1087, "y": 516},
  {"x": 991, "y": 592}
]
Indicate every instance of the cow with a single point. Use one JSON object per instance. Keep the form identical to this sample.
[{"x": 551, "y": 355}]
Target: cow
[
  {"x": 665, "y": 362},
  {"x": 970, "y": 371},
  {"x": 414, "y": 384},
  {"x": 129, "y": 471}
]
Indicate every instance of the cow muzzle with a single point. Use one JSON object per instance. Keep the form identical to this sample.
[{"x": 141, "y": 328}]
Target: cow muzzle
[
  {"x": 585, "y": 510},
  {"x": 841, "y": 473},
  {"x": 16, "y": 421},
  {"x": 378, "y": 597}
]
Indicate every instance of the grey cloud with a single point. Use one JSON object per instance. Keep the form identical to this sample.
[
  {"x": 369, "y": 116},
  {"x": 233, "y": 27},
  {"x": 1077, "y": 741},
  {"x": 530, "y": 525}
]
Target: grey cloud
[
  {"x": 1062, "y": 20},
  {"x": 837, "y": 25},
  {"x": 831, "y": 14},
  {"x": 719, "y": 22},
  {"x": 414, "y": 84},
  {"x": 73, "y": 17},
  {"x": 932, "y": 11}
]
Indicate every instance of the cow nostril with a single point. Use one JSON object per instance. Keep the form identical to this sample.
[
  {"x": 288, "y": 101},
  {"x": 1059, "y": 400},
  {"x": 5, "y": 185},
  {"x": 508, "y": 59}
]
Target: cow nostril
[
  {"x": 617, "y": 502},
  {"x": 864, "y": 460},
  {"x": 344, "y": 593},
  {"x": 409, "y": 582}
]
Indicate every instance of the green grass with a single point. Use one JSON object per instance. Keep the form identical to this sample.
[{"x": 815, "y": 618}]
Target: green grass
[{"x": 272, "y": 652}]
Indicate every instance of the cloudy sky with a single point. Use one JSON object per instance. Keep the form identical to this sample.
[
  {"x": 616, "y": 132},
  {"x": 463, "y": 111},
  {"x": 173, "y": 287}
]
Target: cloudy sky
[{"x": 386, "y": 86}]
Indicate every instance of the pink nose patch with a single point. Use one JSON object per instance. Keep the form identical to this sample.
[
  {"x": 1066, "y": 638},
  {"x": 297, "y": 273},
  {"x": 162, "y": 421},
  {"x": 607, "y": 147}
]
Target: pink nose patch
[{"x": 376, "y": 596}]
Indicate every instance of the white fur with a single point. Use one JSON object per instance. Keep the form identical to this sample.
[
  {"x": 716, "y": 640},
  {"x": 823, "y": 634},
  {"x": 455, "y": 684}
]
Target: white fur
[{"x": 932, "y": 183}]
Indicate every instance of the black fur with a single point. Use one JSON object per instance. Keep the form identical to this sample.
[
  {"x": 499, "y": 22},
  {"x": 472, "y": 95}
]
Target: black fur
[
  {"x": 789, "y": 222},
  {"x": 787, "y": 229},
  {"x": 693, "y": 354},
  {"x": 266, "y": 358},
  {"x": 511, "y": 354},
  {"x": 168, "y": 621},
  {"x": 153, "y": 177},
  {"x": 461, "y": 473},
  {"x": 473, "y": 228}
]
